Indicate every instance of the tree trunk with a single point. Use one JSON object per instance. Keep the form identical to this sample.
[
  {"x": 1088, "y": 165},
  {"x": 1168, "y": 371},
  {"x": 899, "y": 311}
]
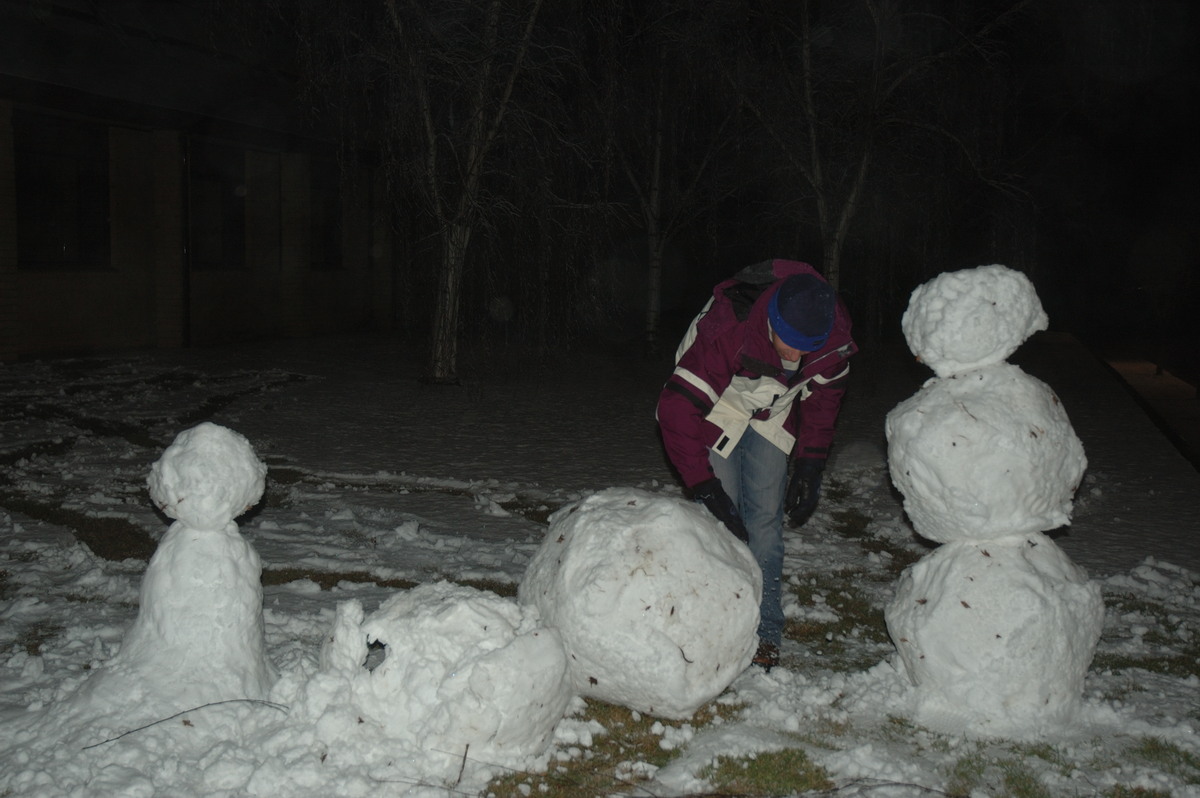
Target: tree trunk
[
  {"x": 654, "y": 241},
  {"x": 652, "y": 210},
  {"x": 443, "y": 358},
  {"x": 653, "y": 292}
]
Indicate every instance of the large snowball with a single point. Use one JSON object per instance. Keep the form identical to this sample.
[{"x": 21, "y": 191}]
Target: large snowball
[
  {"x": 656, "y": 602},
  {"x": 462, "y": 667},
  {"x": 997, "y": 635},
  {"x": 207, "y": 477},
  {"x": 970, "y": 318},
  {"x": 984, "y": 454}
]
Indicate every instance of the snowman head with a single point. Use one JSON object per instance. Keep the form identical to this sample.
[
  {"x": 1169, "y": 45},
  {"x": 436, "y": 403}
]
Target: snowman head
[
  {"x": 207, "y": 477},
  {"x": 971, "y": 318}
]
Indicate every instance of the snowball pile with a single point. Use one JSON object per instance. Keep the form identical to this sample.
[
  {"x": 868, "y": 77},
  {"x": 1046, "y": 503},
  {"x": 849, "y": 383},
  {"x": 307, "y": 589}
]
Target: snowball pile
[
  {"x": 461, "y": 668},
  {"x": 639, "y": 599},
  {"x": 996, "y": 628},
  {"x": 198, "y": 636},
  {"x": 656, "y": 602},
  {"x": 642, "y": 600}
]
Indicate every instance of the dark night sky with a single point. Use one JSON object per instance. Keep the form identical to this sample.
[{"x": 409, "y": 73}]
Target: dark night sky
[{"x": 1126, "y": 79}]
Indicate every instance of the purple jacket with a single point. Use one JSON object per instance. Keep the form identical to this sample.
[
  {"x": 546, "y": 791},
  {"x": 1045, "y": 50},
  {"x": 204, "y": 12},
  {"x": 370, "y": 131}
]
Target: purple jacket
[{"x": 728, "y": 376}]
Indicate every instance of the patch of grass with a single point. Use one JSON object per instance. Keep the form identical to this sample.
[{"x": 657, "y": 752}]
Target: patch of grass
[
  {"x": 769, "y": 773},
  {"x": 108, "y": 537},
  {"x": 1168, "y": 757},
  {"x": 1178, "y": 665},
  {"x": 32, "y": 638},
  {"x": 1122, "y": 791},
  {"x": 1165, "y": 651},
  {"x": 854, "y": 524},
  {"x": 851, "y": 523},
  {"x": 1045, "y": 752},
  {"x": 618, "y": 758},
  {"x": 823, "y": 731},
  {"x": 505, "y": 589},
  {"x": 966, "y": 774},
  {"x": 857, "y": 619},
  {"x": 1000, "y": 776},
  {"x": 900, "y": 557},
  {"x": 1021, "y": 782}
]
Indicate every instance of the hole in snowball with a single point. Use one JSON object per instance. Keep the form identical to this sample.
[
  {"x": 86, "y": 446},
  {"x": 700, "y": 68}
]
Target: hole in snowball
[{"x": 376, "y": 654}]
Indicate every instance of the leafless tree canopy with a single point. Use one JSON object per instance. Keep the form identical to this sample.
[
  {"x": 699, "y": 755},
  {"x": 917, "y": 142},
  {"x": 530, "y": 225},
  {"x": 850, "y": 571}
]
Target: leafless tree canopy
[{"x": 567, "y": 170}]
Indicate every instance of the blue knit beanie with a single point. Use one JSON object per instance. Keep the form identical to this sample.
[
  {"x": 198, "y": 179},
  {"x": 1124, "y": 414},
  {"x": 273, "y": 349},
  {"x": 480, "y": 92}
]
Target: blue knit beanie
[{"x": 801, "y": 312}]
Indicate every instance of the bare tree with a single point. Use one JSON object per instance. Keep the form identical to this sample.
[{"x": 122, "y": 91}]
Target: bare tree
[
  {"x": 663, "y": 130},
  {"x": 840, "y": 89},
  {"x": 474, "y": 63},
  {"x": 434, "y": 88}
]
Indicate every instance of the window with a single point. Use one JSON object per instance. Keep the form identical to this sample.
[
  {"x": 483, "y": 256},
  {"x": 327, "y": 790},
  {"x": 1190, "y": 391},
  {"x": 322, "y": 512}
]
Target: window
[
  {"x": 62, "y": 192},
  {"x": 217, "y": 206}
]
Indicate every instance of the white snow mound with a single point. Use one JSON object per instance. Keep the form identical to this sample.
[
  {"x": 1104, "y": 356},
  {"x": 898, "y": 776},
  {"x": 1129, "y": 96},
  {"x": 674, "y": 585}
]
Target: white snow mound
[
  {"x": 207, "y": 477},
  {"x": 461, "y": 668},
  {"x": 970, "y": 318},
  {"x": 984, "y": 454},
  {"x": 656, "y": 602},
  {"x": 996, "y": 635}
]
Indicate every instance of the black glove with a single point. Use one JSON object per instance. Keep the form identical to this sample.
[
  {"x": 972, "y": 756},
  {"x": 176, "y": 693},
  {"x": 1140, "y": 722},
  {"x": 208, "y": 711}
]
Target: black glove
[
  {"x": 713, "y": 496},
  {"x": 804, "y": 489}
]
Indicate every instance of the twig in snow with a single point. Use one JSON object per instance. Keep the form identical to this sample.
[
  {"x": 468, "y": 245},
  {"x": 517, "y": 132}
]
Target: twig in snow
[
  {"x": 462, "y": 765},
  {"x": 270, "y": 704},
  {"x": 450, "y": 790}
]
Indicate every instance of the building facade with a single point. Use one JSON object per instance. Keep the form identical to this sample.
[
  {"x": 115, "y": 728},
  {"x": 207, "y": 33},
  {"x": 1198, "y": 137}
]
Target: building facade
[{"x": 155, "y": 193}]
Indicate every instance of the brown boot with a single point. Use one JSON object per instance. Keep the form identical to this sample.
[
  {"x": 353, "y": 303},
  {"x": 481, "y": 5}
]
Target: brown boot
[{"x": 766, "y": 657}]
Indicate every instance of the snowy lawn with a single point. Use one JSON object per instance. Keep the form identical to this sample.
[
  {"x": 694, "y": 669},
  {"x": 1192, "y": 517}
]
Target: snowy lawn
[{"x": 378, "y": 484}]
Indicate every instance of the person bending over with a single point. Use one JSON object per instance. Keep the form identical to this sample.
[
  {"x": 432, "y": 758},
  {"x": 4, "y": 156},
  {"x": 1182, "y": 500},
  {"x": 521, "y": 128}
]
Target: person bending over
[{"x": 758, "y": 384}]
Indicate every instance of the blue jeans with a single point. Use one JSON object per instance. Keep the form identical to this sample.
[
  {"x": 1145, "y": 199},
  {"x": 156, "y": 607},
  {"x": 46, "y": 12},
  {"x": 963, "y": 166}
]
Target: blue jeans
[{"x": 755, "y": 477}]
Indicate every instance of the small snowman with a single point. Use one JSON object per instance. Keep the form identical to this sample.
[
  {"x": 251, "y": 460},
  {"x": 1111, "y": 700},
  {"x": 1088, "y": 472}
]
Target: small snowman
[
  {"x": 996, "y": 628},
  {"x": 198, "y": 636}
]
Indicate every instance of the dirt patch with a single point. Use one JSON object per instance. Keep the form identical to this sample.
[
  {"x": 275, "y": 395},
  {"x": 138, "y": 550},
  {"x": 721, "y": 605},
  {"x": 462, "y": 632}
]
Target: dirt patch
[{"x": 109, "y": 538}]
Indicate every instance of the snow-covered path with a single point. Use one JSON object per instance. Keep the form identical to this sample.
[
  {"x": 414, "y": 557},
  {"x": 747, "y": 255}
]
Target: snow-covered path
[
  {"x": 589, "y": 424},
  {"x": 1140, "y": 497}
]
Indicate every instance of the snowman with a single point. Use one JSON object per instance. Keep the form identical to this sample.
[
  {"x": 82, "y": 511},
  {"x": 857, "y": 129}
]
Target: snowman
[
  {"x": 996, "y": 627},
  {"x": 198, "y": 636}
]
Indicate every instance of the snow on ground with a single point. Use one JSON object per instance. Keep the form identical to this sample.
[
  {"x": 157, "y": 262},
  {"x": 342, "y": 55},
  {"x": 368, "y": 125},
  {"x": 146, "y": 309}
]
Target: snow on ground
[{"x": 390, "y": 483}]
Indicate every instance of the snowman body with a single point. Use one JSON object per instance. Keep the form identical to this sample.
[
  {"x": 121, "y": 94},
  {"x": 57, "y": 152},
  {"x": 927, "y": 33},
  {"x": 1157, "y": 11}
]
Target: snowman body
[
  {"x": 199, "y": 628},
  {"x": 199, "y": 634},
  {"x": 996, "y": 627}
]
